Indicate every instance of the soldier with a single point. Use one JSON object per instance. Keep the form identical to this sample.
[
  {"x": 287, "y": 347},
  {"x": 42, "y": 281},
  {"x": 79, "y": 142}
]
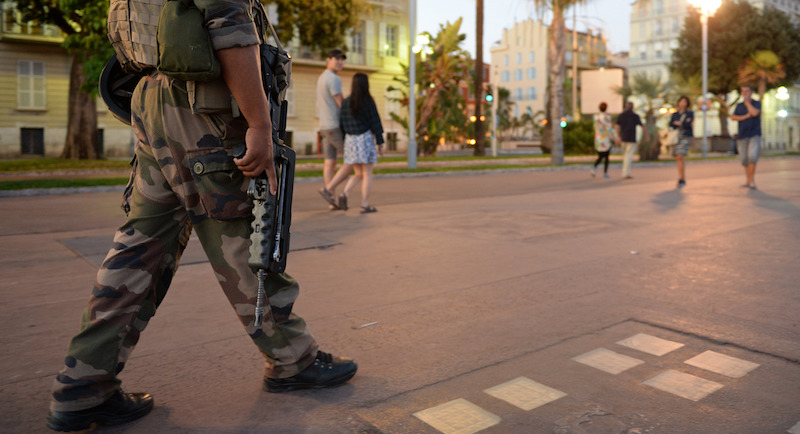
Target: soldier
[{"x": 185, "y": 177}]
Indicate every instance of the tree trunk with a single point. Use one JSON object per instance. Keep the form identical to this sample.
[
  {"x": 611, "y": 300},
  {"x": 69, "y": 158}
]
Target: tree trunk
[
  {"x": 556, "y": 59},
  {"x": 81, "y": 140},
  {"x": 479, "y": 134},
  {"x": 723, "y": 116},
  {"x": 649, "y": 150},
  {"x": 426, "y": 111}
]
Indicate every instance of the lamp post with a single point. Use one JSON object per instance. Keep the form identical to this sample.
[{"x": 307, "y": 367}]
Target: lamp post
[
  {"x": 706, "y": 8},
  {"x": 412, "y": 88}
]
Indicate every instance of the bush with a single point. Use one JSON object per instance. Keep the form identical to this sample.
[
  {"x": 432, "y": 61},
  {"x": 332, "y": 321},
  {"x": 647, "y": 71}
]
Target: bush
[{"x": 579, "y": 137}]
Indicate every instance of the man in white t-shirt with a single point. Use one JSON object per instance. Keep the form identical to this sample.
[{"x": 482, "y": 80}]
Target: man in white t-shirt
[{"x": 329, "y": 103}]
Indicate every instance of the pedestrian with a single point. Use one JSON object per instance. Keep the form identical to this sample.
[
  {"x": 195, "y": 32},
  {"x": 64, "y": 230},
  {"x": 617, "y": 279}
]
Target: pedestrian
[
  {"x": 748, "y": 143},
  {"x": 185, "y": 177},
  {"x": 627, "y": 121},
  {"x": 362, "y": 129},
  {"x": 604, "y": 135},
  {"x": 683, "y": 121},
  {"x": 329, "y": 104}
]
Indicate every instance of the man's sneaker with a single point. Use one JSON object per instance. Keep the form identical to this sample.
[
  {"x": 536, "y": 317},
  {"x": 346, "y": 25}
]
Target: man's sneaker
[
  {"x": 681, "y": 183},
  {"x": 326, "y": 371},
  {"x": 606, "y": 175},
  {"x": 120, "y": 408},
  {"x": 594, "y": 171}
]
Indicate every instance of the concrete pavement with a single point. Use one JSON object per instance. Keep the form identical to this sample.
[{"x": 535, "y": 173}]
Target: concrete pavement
[{"x": 481, "y": 290}]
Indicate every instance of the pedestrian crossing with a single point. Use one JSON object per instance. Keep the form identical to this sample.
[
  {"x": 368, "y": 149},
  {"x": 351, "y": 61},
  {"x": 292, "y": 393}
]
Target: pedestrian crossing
[{"x": 463, "y": 417}]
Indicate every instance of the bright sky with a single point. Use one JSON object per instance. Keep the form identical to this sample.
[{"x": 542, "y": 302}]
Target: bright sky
[{"x": 613, "y": 16}]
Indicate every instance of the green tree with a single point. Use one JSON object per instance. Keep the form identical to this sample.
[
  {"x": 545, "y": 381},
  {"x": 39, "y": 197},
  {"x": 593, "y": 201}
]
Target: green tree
[
  {"x": 762, "y": 69},
  {"x": 737, "y": 30},
  {"x": 440, "y": 103},
  {"x": 648, "y": 91},
  {"x": 319, "y": 24},
  {"x": 555, "y": 57},
  {"x": 84, "y": 27}
]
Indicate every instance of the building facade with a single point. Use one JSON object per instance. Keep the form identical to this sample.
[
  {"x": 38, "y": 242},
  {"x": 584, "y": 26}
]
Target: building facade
[
  {"x": 519, "y": 62},
  {"x": 34, "y": 84},
  {"x": 34, "y": 89}
]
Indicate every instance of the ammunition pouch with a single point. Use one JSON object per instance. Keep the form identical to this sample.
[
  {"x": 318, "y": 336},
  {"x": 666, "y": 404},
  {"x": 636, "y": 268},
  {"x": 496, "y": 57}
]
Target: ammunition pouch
[{"x": 184, "y": 46}]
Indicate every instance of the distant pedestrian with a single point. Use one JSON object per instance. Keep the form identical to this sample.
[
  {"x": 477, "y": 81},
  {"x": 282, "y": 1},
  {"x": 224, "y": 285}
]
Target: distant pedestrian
[
  {"x": 362, "y": 129},
  {"x": 748, "y": 114},
  {"x": 604, "y": 135},
  {"x": 329, "y": 103},
  {"x": 683, "y": 121},
  {"x": 626, "y": 136}
]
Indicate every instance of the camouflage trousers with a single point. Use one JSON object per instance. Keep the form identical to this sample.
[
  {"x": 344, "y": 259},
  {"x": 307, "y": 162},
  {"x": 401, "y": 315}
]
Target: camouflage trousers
[{"x": 184, "y": 178}]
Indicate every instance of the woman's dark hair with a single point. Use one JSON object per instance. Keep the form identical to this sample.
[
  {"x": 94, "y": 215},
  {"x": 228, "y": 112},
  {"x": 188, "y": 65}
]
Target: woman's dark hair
[
  {"x": 603, "y": 107},
  {"x": 688, "y": 103},
  {"x": 359, "y": 93}
]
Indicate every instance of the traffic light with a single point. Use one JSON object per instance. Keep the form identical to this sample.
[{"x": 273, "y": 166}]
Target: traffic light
[
  {"x": 563, "y": 122},
  {"x": 489, "y": 98}
]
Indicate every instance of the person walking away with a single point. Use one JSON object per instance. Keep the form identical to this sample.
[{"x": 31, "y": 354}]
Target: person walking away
[
  {"x": 683, "y": 121},
  {"x": 604, "y": 135},
  {"x": 362, "y": 129},
  {"x": 625, "y": 127},
  {"x": 748, "y": 144},
  {"x": 329, "y": 103},
  {"x": 185, "y": 177}
]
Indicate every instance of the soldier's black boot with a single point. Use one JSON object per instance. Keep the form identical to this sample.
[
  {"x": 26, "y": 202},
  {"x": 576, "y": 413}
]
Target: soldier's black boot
[
  {"x": 120, "y": 408},
  {"x": 326, "y": 371}
]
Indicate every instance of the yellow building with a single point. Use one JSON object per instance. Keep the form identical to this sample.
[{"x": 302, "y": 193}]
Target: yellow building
[
  {"x": 376, "y": 47},
  {"x": 34, "y": 84}
]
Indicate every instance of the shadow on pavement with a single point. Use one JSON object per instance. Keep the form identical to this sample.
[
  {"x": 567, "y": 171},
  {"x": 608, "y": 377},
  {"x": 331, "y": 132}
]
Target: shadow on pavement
[{"x": 669, "y": 200}]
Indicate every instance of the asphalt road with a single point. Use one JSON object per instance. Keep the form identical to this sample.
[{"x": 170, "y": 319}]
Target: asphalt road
[{"x": 461, "y": 300}]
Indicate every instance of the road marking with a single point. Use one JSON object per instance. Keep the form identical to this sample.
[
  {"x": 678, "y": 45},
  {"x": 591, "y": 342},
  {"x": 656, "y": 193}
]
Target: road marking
[
  {"x": 525, "y": 393},
  {"x": 458, "y": 417},
  {"x": 684, "y": 385},
  {"x": 650, "y": 344},
  {"x": 607, "y": 361},
  {"x": 795, "y": 429},
  {"x": 722, "y": 364}
]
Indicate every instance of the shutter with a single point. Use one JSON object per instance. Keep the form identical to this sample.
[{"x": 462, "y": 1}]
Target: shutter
[
  {"x": 402, "y": 43},
  {"x": 369, "y": 42},
  {"x": 381, "y": 39}
]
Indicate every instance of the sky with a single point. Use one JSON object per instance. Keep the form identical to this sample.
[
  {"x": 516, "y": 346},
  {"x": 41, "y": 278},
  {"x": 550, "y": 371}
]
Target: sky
[{"x": 613, "y": 16}]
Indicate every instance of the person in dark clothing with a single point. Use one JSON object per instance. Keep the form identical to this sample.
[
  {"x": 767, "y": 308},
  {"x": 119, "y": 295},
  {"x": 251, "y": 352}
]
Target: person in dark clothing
[
  {"x": 361, "y": 124},
  {"x": 626, "y": 136},
  {"x": 748, "y": 114},
  {"x": 682, "y": 120}
]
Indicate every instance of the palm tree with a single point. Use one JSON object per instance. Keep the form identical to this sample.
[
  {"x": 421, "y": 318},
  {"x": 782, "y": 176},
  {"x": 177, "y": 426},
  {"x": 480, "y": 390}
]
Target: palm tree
[
  {"x": 555, "y": 58},
  {"x": 647, "y": 90},
  {"x": 764, "y": 67}
]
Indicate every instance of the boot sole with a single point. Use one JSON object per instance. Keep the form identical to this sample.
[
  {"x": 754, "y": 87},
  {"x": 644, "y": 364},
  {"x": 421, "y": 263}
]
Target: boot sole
[
  {"x": 279, "y": 388},
  {"x": 82, "y": 423}
]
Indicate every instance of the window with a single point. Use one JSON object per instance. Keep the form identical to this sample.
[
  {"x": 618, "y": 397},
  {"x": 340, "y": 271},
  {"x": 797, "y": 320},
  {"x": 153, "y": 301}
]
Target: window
[
  {"x": 531, "y": 93},
  {"x": 519, "y": 58},
  {"x": 568, "y": 56},
  {"x": 659, "y": 7},
  {"x": 32, "y": 141},
  {"x": 659, "y": 50},
  {"x": 516, "y": 111},
  {"x": 659, "y": 28},
  {"x": 391, "y": 41},
  {"x": 676, "y": 26},
  {"x": 531, "y": 57},
  {"x": 391, "y": 141},
  {"x": 391, "y": 103},
  {"x": 30, "y": 85},
  {"x": 518, "y": 74},
  {"x": 505, "y": 60},
  {"x": 518, "y": 94},
  {"x": 642, "y": 30},
  {"x": 531, "y": 73},
  {"x": 642, "y": 51},
  {"x": 506, "y": 76}
]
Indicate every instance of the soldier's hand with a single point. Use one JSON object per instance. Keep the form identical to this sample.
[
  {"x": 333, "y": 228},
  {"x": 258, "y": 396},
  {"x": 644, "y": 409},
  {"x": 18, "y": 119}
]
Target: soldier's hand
[{"x": 259, "y": 157}]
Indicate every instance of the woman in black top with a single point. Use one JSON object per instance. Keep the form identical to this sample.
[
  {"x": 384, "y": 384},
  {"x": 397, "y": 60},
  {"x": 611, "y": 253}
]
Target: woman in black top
[
  {"x": 361, "y": 125},
  {"x": 683, "y": 121}
]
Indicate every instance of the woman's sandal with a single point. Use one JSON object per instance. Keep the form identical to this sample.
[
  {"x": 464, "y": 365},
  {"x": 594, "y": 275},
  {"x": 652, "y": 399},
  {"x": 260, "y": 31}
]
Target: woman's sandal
[
  {"x": 368, "y": 209},
  {"x": 343, "y": 202}
]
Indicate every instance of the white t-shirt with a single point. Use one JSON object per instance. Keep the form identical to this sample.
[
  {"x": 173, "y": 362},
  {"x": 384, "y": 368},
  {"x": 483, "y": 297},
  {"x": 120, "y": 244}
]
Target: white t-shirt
[{"x": 328, "y": 85}]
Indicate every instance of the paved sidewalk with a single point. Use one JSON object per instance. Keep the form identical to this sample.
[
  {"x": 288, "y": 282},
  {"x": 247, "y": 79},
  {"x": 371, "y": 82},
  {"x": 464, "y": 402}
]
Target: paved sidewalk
[{"x": 518, "y": 302}]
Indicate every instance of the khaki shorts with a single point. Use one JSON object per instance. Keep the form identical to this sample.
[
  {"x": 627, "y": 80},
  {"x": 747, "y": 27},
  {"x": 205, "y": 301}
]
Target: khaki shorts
[{"x": 332, "y": 143}]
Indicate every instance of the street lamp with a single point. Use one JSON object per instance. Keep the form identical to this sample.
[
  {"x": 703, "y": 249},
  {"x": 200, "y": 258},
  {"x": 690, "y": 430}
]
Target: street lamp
[{"x": 706, "y": 8}]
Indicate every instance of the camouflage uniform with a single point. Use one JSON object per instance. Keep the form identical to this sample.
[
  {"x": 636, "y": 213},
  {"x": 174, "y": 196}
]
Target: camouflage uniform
[{"x": 184, "y": 177}]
